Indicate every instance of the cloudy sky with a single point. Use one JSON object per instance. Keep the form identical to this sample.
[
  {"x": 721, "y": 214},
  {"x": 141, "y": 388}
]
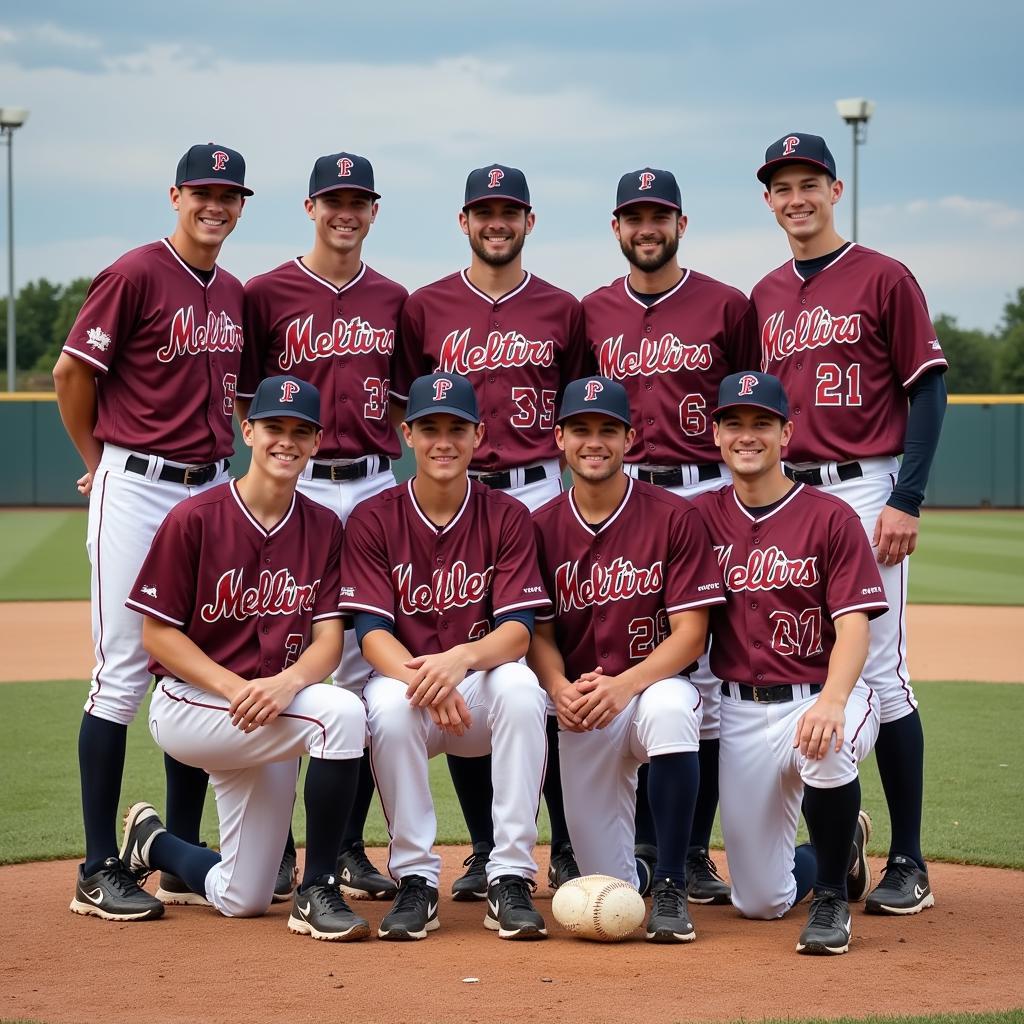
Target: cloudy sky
[{"x": 118, "y": 91}]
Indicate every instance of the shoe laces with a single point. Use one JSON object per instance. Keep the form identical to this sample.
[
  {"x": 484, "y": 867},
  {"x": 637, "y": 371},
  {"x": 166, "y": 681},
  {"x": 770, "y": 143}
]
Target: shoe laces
[
  {"x": 897, "y": 872},
  {"x": 667, "y": 899},
  {"x": 699, "y": 863},
  {"x": 329, "y": 895},
  {"x": 565, "y": 864},
  {"x": 479, "y": 857},
  {"x": 514, "y": 892},
  {"x": 123, "y": 878},
  {"x": 357, "y": 853},
  {"x": 412, "y": 895},
  {"x": 826, "y": 910}
]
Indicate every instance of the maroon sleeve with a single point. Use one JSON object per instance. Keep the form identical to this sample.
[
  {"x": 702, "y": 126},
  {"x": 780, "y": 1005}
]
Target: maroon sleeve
[
  {"x": 168, "y": 580},
  {"x": 326, "y": 606},
  {"x": 254, "y": 351},
  {"x": 365, "y": 570},
  {"x": 543, "y": 614},
  {"x": 579, "y": 360},
  {"x": 517, "y": 583},
  {"x": 913, "y": 345},
  {"x": 108, "y": 316},
  {"x": 854, "y": 584},
  {"x": 743, "y": 343},
  {"x": 399, "y": 360},
  {"x": 692, "y": 576},
  {"x": 408, "y": 360}
]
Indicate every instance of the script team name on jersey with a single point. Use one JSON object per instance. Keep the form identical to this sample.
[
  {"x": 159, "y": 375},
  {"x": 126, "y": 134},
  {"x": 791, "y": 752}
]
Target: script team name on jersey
[
  {"x": 456, "y": 587},
  {"x": 276, "y": 593},
  {"x": 346, "y": 337},
  {"x": 770, "y": 569},
  {"x": 620, "y": 580},
  {"x": 667, "y": 354},
  {"x": 500, "y": 351},
  {"x": 814, "y": 328},
  {"x": 187, "y": 338}
]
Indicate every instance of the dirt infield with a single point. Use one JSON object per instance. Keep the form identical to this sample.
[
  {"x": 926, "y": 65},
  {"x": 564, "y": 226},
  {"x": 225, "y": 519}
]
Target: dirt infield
[
  {"x": 50, "y": 640},
  {"x": 195, "y": 965}
]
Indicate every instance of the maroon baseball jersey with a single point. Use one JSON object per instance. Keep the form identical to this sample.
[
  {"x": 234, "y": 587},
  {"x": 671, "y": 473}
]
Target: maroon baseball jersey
[
  {"x": 343, "y": 340},
  {"x": 846, "y": 344},
  {"x": 440, "y": 586},
  {"x": 519, "y": 351},
  {"x": 168, "y": 349},
  {"x": 670, "y": 357},
  {"x": 247, "y": 597},
  {"x": 788, "y": 576},
  {"x": 614, "y": 586}
]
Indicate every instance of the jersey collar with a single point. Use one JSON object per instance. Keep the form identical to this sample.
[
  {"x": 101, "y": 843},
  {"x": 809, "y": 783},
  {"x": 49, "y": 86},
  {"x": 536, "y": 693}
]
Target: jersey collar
[
  {"x": 323, "y": 280},
  {"x": 760, "y": 519},
  {"x": 657, "y": 302},
  {"x": 188, "y": 270},
  {"x": 829, "y": 266},
  {"x": 427, "y": 521},
  {"x": 611, "y": 519},
  {"x": 254, "y": 521},
  {"x": 504, "y": 298}
]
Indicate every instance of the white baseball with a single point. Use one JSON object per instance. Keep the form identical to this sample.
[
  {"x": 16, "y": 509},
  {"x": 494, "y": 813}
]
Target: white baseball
[{"x": 598, "y": 907}]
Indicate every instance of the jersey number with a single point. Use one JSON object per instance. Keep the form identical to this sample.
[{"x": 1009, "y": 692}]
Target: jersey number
[
  {"x": 833, "y": 389},
  {"x": 531, "y": 413},
  {"x": 645, "y": 633},
  {"x": 376, "y": 404},
  {"x": 797, "y": 634},
  {"x": 229, "y": 382},
  {"x": 478, "y": 630},
  {"x": 292, "y": 649},
  {"x": 691, "y": 415}
]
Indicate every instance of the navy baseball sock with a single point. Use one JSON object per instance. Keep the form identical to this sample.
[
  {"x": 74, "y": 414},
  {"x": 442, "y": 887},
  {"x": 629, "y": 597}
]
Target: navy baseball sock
[
  {"x": 186, "y": 794},
  {"x": 643, "y": 821},
  {"x": 805, "y": 870},
  {"x": 831, "y": 816},
  {"x": 101, "y": 746},
  {"x": 553, "y": 788},
  {"x": 899, "y": 752},
  {"x": 329, "y": 792},
  {"x": 471, "y": 777},
  {"x": 356, "y": 823},
  {"x": 672, "y": 791},
  {"x": 191, "y": 863},
  {"x": 707, "y": 794}
]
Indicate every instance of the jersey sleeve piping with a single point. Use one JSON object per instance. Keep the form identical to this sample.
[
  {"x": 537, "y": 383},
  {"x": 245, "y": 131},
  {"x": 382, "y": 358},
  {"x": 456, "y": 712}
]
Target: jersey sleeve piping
[
  {"x": 536, "y": 603},
  {"x": 153, "y": 613},
  {"x": 921, "y": 369},
  {"x": 84, "y": 357},
  {"x": 329, "y": 615},
  {"x": 871, "y": 606},
  {"x": 351, "y": 606},
  {"x": 720, "y": 599}
]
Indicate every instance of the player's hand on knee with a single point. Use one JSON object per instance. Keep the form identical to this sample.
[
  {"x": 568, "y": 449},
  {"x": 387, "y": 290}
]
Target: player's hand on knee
[
  {"x": 436, "y": 675},
  {"x": 563, "y": 700},
  {"x": 451, "y": 714},
  {"x": 603, "y": 698},
  {"x": 260, "y": 701},
  {"x": 819, "y": 726},
  {"x": 895, "y": 535}
]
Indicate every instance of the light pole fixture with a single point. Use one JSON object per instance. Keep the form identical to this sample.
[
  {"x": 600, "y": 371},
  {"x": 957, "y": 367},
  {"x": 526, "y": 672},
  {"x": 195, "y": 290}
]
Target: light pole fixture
[
  {"x": 856, "y": 113},
  {"x": 11, "y": 118}
]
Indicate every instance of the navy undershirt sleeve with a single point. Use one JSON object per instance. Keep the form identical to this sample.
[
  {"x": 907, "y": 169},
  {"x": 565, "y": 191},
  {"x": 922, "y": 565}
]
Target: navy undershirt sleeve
[
  {"x": 524, "y": 615},
  {"x": 367, "y": 622},
  {"x": 924, "y": 424}
]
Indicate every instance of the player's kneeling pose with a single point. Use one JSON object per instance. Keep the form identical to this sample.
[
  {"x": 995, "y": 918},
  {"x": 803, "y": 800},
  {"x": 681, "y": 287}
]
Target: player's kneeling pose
[
  {"x": 240, "y": 595},
  {"x": 441, "y": 574},
  {"x": 790, "y": 645},
  {"x": 631, "y": 574}
]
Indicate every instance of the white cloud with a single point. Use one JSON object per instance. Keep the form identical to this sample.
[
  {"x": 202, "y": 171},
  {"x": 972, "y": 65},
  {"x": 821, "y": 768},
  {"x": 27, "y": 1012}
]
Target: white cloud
[{"x": 996, "y": 215}]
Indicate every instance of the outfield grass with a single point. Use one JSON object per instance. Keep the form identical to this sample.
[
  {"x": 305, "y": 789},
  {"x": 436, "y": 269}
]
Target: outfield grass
[
  {"x": 975, "y": 775},
  {"x": 974, "y": 557}
]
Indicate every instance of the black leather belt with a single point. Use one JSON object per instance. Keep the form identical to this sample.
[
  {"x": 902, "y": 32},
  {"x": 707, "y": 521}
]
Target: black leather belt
[
  {"x": 353, "y": 471},
  {"x": 767, "y": 694},
  {"x": 674, "y": 477},
  {"x": 503, "y": 481},
  {"x": 845, "y": 471},
  {"x": 190, "y": 476}
]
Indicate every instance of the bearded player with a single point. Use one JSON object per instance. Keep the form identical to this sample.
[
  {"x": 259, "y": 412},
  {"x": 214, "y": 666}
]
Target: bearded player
[
  {"x": 670, "y": 335},
  {"x": 441, "y": 575},
  {"x": 797, "y": 718},
  {"x": 631, "y": 575},
  {"x": 332, "y": 320},
  {"x": 146, "y": 386},
  {"x": 239, "y": 593},
  {"x": 519, "y": 340},
  {"x": 847, "y": 331}
]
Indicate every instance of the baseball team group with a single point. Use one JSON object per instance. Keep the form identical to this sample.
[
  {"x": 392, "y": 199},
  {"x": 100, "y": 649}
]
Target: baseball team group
[{"x": 651, "y": 566}]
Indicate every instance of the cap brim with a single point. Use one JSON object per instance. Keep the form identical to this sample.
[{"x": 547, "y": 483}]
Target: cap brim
[
  {"x": 338, "y": 188},
  {"x": 657, "y": 202},
  {"x": 764, "y": 174},
  {"x": 491, "y": 195},
  {"x": 432, "y": 410},
  {"x": 272, "y": 413},
  {"x": 753, "y": 405},
  {"x": 218, "y": 181},
  {"x": 592, "y": 410}
]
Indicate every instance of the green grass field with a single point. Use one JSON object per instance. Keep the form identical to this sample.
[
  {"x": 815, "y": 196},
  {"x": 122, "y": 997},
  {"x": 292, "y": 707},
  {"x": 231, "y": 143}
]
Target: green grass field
[
  {"x": 972, "y": 811},
  {"x": 974, "y": 557}
]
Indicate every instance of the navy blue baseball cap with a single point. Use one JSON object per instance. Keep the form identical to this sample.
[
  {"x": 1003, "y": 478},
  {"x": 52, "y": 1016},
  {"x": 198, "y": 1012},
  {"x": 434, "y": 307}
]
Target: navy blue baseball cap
[
  {"x": 212, "y": 165},
  {"x": 286, "y": 396},
  {"x": 761, "y": 390},
  {"x": 341, "y": 170},
  {"x": 496, "y": 181},
  {"x": 648, "y": 185},
  {"x": 442, "y": 393},
  {"x": 796, "y": 148},
  {"x": 599, "y": 395}
]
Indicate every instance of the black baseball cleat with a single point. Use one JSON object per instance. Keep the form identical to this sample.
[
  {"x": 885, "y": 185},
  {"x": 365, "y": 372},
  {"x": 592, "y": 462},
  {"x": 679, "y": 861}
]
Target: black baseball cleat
[
  {"x": 141, "y": 826},
  {"x": 828, "y": 928},
  {"x": 414, "y": 912},
  {"x": 473, "y": 884},
  {"x": 360, "y": 879},
  {"x": 904, "y": 889},
  {"x": 287, "y": 878},
  {"x": 563, "y": 867},
  {"x": 321, "y": 911},
  {"x": 858, "y": 878},
  {"x": 113, "y": 893},
  {"x": 646, "y": 855},
  {"x": 174, "y": 892},
  {"x": 510, "y": 910},
  {"x": 670, "y": 916},
  {"x": 703, "y": 882}
]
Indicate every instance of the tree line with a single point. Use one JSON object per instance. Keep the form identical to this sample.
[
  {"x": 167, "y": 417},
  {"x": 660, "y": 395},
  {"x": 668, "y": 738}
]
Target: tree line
[{"x": 980, "y": 362}]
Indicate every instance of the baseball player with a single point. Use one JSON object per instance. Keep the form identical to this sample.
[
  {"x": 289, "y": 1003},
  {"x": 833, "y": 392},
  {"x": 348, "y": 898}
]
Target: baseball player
[
  {"x": 670, "y": 335},
  {"x": 519, "y": 340},
  {"x": 239, "y": 593},
  {"x": 441, "y": 574},
  {"x": 332, "y": 320},
  {"x": 790, "y": 643},
  {"x": 631, "y": 576},
  {"x": 146, "y": 386},
  {"x": 847, "y": 331}
]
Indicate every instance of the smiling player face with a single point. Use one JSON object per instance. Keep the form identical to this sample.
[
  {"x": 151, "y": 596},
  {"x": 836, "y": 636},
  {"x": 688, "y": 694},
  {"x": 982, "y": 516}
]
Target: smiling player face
[
  {"x": 594, "y": 445},
  {"x": 207, "y": 214},
  {"x": 803, "y": 198},
  {"x": 443, "y": 445},
  {"x": 497, "y": 230},
  {"x": 751, "y": 440},
  {"x": 649, "y": 234},
  {"x": 281, "y": 445},
  {"x": 342, "y": 218}
]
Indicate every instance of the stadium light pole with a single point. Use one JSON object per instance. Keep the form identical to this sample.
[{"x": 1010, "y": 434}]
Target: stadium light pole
[
  {"x": 856, "y": 113},
  {"x": 11, "y": 118}
]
